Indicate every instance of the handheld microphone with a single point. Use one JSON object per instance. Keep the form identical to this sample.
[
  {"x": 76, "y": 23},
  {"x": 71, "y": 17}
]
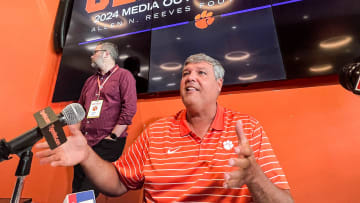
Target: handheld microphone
[{"x": 71, "y": 114}]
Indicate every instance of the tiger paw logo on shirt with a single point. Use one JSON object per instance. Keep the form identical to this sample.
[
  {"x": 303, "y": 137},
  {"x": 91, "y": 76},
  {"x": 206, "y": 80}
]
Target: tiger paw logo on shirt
[
  {"x": 204, "y": 19},
  {"x": 228, "y": 145}
]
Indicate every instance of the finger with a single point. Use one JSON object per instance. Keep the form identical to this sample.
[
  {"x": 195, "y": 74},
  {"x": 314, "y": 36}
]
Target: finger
[
  {"x": 42, "y": 145},
  {"x": 244, "y": 150},
  {"x": 240, "y": 162},
  {"x": 240, "y": 133},
  {"x": 57, "y": 163},
  {"x": 233, "y": 184},
  {"x": 44, "y": 153},
  {"x": 47, "y": 160},
  {"x": 234, "y": 175},
  {"x": 74, "y": 128},
  {"x": 53, "y": 160}
]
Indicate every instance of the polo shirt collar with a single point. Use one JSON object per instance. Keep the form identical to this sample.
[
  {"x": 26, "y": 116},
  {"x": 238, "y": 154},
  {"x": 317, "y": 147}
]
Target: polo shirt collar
[
  {"x": 217, "y": 124},
  {"x": 107, "y": 73}
]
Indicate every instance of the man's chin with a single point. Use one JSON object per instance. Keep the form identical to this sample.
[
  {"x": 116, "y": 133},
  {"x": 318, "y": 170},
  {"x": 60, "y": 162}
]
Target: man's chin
[
  {"x": 189, "y": 100},
  {"x": 93, "y": 65}
]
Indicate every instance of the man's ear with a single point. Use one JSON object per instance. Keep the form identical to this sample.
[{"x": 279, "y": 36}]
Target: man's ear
[{"x": 219, "y": 83}]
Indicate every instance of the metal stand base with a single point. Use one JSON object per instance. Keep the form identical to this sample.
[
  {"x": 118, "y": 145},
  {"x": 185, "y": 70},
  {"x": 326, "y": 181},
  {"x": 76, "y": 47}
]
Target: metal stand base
[
  {"x": 22, "y": 170},
  {"x": 17, "y": 190}
]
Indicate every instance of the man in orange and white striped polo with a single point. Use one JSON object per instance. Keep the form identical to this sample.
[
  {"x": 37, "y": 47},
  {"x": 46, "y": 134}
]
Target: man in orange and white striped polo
[{"x": 204, "y": 153}]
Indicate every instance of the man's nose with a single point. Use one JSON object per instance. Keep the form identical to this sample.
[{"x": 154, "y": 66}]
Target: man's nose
[{"x": 191, "y": 76}]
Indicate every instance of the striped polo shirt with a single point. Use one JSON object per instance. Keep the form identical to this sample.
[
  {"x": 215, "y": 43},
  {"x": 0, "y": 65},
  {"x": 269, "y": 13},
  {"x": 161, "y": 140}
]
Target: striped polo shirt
[{"x": 175, "y": 165}]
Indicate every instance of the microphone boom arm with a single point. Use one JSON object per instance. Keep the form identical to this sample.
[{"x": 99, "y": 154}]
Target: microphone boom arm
[{"x": 16, "y": 146}]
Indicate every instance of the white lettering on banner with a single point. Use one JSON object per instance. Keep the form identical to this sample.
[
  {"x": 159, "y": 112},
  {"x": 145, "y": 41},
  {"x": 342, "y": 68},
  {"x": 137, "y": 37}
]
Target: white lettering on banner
[
  {"x": 171, "y": 12},
  {"x": 130, "y": 15},
  {"x": 111, "y": 25},
  {"x": 213, "y": 3},
  {"x": 139, "y": 8},
  {"x": 167, "y": 3},
  {"x": 106, "y": 16}
]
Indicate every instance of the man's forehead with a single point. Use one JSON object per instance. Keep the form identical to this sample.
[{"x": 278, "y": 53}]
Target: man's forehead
[
  {"x": 98, "y": 47},
  {"x": 201, "y": 64}
]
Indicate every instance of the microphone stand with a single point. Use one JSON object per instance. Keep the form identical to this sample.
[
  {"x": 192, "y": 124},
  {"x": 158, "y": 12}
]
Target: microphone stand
[{"x": 23, "y": 169}]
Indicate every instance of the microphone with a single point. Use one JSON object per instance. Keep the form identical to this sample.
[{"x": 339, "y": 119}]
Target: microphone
[
  {"x": 48, "y": 126},
  {"x": 349, "y": 76}
]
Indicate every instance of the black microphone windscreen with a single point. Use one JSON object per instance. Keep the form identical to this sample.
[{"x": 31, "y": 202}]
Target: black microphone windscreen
[{"x": 73, "y": 113}]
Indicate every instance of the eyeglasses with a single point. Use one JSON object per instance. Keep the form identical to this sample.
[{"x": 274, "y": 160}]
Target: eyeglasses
[{"x": 95, "y": 51}]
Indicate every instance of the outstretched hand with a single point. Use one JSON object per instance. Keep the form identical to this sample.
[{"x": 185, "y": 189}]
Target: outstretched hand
[
  {"x": 70, "y": 153},
  {"x": 245, "y": 163}
]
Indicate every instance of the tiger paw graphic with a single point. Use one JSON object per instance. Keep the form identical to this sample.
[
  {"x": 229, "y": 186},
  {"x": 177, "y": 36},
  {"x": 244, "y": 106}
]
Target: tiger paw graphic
[{"x": 204, "y": 19}]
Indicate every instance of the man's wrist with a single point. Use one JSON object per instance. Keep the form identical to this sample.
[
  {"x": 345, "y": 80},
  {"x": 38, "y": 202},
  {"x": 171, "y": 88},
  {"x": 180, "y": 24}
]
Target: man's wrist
[{"x": 87, "y": 151}]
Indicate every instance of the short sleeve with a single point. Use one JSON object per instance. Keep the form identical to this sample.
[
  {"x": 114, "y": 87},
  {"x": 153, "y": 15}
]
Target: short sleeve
[{"x": 131, "y": 164}]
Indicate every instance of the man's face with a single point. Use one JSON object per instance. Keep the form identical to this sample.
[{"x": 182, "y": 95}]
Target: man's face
[
  {"x": 97, "y": 57},
  {"x": 198, "y": 84}
]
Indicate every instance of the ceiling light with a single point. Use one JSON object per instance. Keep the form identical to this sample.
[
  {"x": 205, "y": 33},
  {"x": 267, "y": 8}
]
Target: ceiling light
[
  {"x": 320, "y": 68},
  {"x": 237, "y": 56},
  {"x": 248, "y": 77},
  {"x": 335, "y": 42},
  {"x": 157, "y": 78},
  {"x": 123, "y": 56},
  {"x": 171, "y": 66}
]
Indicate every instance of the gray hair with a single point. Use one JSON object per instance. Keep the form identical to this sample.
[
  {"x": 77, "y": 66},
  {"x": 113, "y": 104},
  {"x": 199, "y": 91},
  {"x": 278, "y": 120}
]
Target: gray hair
[
  {"x": 111, "y": 48},
  {"x": 201, "y": 57}
]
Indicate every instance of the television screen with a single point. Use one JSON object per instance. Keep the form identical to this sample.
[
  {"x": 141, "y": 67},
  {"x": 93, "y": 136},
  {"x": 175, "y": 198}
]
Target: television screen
[
  {"x": 317, "y": 37},
  {"x": 245, "y": 44},
  {"x": 255, "y": 40}
]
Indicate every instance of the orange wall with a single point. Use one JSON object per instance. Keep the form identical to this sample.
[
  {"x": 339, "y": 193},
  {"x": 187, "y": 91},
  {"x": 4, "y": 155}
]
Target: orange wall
[
  {"x": 28, "y": 66},
  {"x": 313, "y": 130}
]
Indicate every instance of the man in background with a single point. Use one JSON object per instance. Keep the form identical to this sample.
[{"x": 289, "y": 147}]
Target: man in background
[
  {"x": 204, "y": 153},
  {"x": 109, "y": 99}
]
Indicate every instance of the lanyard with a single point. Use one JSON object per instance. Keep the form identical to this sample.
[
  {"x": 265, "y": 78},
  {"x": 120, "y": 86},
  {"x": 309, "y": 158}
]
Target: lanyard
[{"x": 102, "y": 85}]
